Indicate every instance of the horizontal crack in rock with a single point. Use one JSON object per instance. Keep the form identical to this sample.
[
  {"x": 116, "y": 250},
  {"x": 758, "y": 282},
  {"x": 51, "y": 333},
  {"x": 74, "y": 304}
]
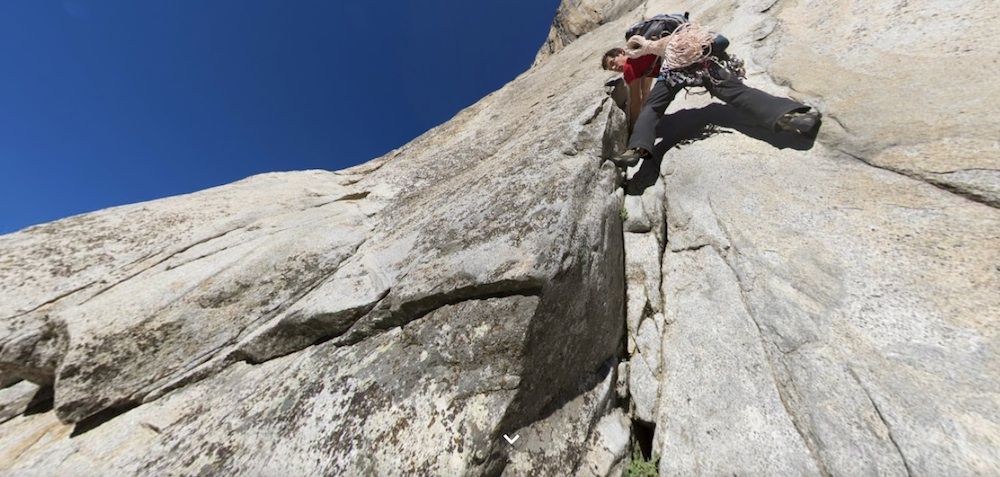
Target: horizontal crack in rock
[
  {"x": 384, "y": 319},
  {"x": 52, "y": 300},
  {"x": 158, "y": 262},
  {"x": 940, "y": 184}
]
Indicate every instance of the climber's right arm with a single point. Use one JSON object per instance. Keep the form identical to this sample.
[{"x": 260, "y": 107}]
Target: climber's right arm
[
  {"x": 636, "y": 96},
  {"x": 638, "y": 46}
]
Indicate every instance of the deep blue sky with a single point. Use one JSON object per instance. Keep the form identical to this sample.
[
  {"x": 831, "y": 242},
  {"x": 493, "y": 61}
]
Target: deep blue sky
[{"x": 108, "y": 102}]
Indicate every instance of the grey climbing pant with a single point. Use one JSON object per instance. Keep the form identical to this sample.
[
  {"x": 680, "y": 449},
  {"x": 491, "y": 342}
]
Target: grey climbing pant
[{"x": 764, "y": 108}]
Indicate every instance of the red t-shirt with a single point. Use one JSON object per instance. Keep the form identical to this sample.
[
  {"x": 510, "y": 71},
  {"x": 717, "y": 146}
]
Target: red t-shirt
[{"x": 641, "y": 66}]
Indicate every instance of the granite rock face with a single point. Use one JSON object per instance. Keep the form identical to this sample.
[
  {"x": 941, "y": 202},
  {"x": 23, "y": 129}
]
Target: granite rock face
[
  {"x": 828, "y": 307},
  {"x": 16, "y": 399},
  {"x": 394, "y": 318},
  {"x": 763, "y": 303},
  {"x": 574, "y": 18}
]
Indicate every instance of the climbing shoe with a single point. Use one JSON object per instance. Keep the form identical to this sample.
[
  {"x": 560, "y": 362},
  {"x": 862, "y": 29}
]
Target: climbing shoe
[
  {"x": 630, "y": 157},
  {"x": 801, "y": 123}
]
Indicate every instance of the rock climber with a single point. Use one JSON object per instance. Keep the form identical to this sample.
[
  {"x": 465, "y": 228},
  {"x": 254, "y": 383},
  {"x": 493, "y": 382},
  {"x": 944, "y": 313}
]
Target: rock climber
[{"x": 684, "y": 59}]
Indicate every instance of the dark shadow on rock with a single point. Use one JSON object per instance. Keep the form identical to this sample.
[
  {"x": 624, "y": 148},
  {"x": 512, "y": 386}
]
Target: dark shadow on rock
[
  {"x": 94, "y": 421},
  {"x": 41, "y": 402},
  {"x": 646, "y": 176},
  {"x": 690, "y": 125},
  {"x": 499, "y": 456}
]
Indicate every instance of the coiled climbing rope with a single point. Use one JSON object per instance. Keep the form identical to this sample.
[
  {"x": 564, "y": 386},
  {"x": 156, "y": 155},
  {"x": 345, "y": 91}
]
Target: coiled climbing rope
[{"x": 689, "y": 44}]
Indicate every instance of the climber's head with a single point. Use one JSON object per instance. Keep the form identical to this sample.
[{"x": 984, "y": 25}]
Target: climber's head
[{"x": 614, "y": 60}]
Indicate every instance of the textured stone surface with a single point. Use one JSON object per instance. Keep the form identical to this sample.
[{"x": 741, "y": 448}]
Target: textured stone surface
[
  {"x": 835, "y": 317},
  {"x": 793, "y": 308},
  {"x": 393, "y": 318},
  {"x": 931, "y": 125},
  {"x": 864, "y": 304},
  {"x": 577, "y": 17},
  {"x": 607, "y": 447},
  {"x": 569, "y": 439},
  {"x": 719, "y": 413},
  {"x": 642, "y": 272},
  {"x": 14, "y": 399},
  {"x": 643, "y": 385},
  {"x": 892, "y": 78}
]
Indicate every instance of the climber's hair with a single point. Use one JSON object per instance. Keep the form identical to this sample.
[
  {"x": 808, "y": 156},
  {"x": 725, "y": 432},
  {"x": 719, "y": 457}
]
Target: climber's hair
[{"x": 612, "y": 53}]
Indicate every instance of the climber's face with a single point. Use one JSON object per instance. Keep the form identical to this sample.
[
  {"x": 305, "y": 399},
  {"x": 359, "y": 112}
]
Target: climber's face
[{"x": 617, "y": 63}]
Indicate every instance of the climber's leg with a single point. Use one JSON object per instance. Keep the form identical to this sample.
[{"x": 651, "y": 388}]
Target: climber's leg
[
  {"x": 644, "y": 131},
  {"x": 764, "y": 108}
]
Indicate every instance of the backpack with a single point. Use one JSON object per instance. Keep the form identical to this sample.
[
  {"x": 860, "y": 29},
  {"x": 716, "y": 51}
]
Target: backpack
[{"x": 658, "y": 26}]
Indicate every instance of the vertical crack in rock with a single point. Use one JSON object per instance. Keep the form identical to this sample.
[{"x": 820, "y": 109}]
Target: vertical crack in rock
[
  {"x": 597, "y": 112},
  {"x": 642, "y": 435},
  {"x": 888, "y": 428},
  {"x": 611, "y": 404},
  {"x": 572, "y": 346},
  {"x": 805, "y": 433},
  {"x": 643, "y": 241},
  {"x": 359, "y": 366},
  {"x": 769, "y": 6}
]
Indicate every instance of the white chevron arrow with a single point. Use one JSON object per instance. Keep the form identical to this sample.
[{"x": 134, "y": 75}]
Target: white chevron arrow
[{"x": 511, "y": 440}]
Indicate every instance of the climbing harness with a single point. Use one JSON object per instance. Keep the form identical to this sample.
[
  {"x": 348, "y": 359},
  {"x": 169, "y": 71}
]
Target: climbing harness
[{"x": 708, "y": 70}]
